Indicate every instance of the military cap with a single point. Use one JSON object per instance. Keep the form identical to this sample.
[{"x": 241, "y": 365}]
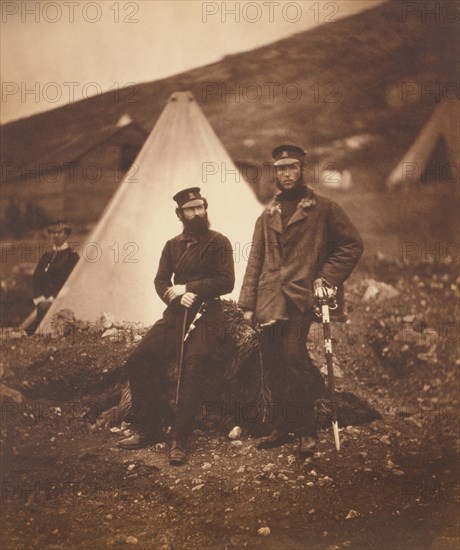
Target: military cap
[
  {"x": 188, "y": 198},
  {"x": 288, "y": 154}
]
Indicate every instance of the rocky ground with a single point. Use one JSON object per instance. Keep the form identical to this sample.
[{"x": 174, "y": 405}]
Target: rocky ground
[{"x": 394, "y": 485}]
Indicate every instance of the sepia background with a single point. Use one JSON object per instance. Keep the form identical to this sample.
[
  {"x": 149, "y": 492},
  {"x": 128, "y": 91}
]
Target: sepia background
[{"x": 370, "y": 90}]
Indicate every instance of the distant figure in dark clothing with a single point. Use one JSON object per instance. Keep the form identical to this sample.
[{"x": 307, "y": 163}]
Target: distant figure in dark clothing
[{"x": 52, "y": 271}]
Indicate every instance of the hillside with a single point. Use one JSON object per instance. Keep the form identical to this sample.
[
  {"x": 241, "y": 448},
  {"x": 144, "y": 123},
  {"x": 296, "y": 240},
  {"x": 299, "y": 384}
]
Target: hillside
[{"x": 337, "y": 80}]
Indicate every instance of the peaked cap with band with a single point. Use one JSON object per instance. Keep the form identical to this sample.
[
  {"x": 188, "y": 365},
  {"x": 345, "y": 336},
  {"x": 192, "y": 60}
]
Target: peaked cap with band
[
  {"x": 288, "y": 154},
  {"x": 188, "y": 198}
]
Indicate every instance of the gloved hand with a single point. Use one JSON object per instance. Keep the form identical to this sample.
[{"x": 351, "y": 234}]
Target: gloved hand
[
  {"x": 249, "y": 317},
  {"x": 323, "y": 289},
  {"x": 174, "y": 292},
  {"x": 44, "y": 305},
  {"x": 188, "y": 299}
]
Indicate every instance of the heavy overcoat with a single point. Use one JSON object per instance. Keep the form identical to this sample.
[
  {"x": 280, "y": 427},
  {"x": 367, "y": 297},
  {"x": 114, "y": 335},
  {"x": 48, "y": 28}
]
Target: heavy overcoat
[{"x": 319, "y": 240}]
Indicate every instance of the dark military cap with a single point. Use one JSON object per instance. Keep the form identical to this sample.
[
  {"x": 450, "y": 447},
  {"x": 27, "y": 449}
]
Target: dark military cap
[
  {"x": 288, "y": 154},
  {"x": 188, "y": 198}
]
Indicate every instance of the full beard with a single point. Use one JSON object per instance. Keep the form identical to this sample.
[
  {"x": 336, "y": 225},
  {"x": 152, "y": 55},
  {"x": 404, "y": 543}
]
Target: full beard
[{"x": 196, "y": 226}]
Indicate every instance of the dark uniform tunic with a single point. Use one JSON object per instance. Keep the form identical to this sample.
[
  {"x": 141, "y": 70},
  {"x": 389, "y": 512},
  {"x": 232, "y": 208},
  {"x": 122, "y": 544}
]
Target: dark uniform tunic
[
  {"x": 52, "y": 271},
  {"x": 205, "y": 265}
]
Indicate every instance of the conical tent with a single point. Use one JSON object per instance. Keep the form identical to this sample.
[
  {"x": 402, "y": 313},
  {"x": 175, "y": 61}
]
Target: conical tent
[
  {"x": 119, "y": 261},
  {"x": 435, "y": 153}
]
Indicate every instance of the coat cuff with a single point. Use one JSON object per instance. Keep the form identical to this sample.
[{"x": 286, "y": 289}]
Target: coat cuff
[
  {"x": 330, "y": 280},
  {"x": 42, "y": 298}
]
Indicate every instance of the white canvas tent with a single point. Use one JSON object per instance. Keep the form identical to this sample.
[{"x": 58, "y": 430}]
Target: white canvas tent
[
  {"x": 119, "y": 261},
  {"x": 435, "y": 153}
]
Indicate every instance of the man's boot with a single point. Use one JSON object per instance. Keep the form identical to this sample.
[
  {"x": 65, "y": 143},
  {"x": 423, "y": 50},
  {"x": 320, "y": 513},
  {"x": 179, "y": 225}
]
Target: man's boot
[
  {"x": 138, "y": 440},
  {"x": 275, "y": 439},
  {"x": 177, "y": 453}
]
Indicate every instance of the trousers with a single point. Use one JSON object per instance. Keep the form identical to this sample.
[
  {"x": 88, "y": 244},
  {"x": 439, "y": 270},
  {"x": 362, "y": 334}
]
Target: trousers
[
  {"x": 147, "y": 369},
  {"x": 294, "y": 382}
]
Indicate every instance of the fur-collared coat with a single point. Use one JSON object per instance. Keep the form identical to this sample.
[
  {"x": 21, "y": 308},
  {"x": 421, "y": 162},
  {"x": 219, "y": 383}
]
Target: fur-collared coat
[{"x": 319, "y": 240}]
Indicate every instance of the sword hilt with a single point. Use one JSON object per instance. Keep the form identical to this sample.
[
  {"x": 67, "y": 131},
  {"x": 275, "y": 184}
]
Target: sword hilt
[{"x": 197, "y": 317}]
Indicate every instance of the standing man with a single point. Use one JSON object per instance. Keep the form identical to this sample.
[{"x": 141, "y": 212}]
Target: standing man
[
  {"x": 52, "y": 271},
  {"x": 304, "y": 245},
  {"x": 200, "y": 262}
]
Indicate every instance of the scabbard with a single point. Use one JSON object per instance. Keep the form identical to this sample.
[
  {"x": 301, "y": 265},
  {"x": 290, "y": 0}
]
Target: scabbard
[
  {"x": 330, "y": 369},
  {"x": 181, "y": 354}
]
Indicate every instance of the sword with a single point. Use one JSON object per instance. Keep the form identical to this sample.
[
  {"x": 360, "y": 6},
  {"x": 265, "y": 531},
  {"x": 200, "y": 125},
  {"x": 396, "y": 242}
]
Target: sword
[
  {"x": 325, "y": 302},
  {"x": 181, "y": 355},
  {"x": 185, "y": 335},
  {"x": 197, "y": 317}
]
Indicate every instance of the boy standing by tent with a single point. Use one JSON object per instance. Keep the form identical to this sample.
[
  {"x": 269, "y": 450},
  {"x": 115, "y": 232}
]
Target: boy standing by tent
[
  {"x": 52, "y": 271},
  {"x": 199, "y": 261},
  {"x": 303, "y": 245}
]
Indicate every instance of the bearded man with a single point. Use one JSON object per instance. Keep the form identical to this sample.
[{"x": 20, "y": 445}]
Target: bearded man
[
  {"x": 303, "y": 245},
  {"x": 196, "y": 267}
]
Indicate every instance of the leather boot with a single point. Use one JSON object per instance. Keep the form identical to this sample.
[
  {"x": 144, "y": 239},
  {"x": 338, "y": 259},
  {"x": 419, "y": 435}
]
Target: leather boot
[
  {"x": 137, "y": 441},
  {"x": 177, "y": 453}
]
